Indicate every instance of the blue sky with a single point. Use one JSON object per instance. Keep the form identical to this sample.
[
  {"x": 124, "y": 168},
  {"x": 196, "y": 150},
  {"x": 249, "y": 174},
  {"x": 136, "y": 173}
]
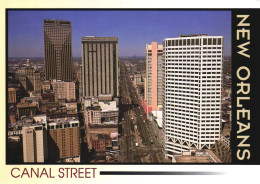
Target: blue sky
[{"x": 134, "y": 29}]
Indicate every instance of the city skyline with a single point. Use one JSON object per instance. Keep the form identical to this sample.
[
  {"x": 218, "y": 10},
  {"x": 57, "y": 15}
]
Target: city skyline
[
  {"x": 134, "y": 29},
  {"x": 101, "y": 115}
]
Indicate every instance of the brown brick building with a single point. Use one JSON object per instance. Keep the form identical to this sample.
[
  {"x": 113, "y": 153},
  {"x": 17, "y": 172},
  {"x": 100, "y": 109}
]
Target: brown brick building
[
  {"x": 11, "y": 95},
  {"x": 110, "y": 133},
  {"x": 49, "y": 96},
  {"x": 98, "y": 142},
  {"x": 47, "y": 106},
  {"x": 26, "y": 109},
  {"x": 64, "y": 137}
]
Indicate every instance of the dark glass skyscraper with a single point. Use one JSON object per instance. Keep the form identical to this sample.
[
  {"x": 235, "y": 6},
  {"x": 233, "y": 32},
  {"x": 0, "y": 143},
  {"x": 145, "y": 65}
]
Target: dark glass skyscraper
[{"x": 57, "y": 49}]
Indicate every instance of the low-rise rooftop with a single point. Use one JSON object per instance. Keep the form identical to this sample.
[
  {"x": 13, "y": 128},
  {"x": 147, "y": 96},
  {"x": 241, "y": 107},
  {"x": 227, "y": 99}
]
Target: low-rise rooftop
[
  {"x": 26, "y": 104},
  {"x": 193, "y": 159}
]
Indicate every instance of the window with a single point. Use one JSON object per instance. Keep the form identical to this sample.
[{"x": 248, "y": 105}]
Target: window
[
  {"x": 214, "y": 41},
  {"x": 219, "y": 41},
  {"x": 184, "y": 42},
  {"x": 205, "y": 41},
  {"x": 180, "y": 42},
  {"x": 192, "y": 42},
  {"x": 210, "y": 42},
  {"x": 169, "y": 43},
  {"x": 197, "y": 42}
]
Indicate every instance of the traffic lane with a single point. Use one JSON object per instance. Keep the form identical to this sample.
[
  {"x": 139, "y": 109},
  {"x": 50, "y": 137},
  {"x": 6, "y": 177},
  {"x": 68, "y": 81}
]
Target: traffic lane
[{"x": 134, "y": 99}]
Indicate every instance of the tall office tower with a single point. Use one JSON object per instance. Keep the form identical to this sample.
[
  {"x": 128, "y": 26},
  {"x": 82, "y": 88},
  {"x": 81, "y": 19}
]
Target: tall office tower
[
  {"x": 153, "y": 87},
  {"x": 34, "y": 144},
  {"x": 64, "y": 137},
  {"x": 100, "y": 66},
  {"x": 57, "y": 49},
  {"x": 192, "y": 82}
]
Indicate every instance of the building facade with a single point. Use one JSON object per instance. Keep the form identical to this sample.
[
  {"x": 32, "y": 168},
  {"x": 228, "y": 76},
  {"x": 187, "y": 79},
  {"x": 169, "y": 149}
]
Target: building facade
[
  {"x": 46, "y": 85},
  {"x": 98, "y": 142},
  {"x": 30, "y": 79},
  {"x": 48, "y": 96},
  {"x": 34, "y": 144},
  {"x": 104, "y": 112},
  {"x": 64, "y": 90},
  {"x": 110, "y": 131},
  {"x": 11, "y": 95},
  {"x": 153, "y": 83},
  {"x": 192, "y": 82},
  {"x": 138, "y": 79},
  {"x": 93, "y": 115},
  {"x": 109, "y": 111},
  {"x": 100, "y": 66},
  {"x": 26, "y": 109},
  {"x": 64, "y": 136},
  {"x": 58, "y": 50}
]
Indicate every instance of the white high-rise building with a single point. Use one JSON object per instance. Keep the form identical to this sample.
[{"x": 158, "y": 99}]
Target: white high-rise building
[{"x": 192, "y": 79}]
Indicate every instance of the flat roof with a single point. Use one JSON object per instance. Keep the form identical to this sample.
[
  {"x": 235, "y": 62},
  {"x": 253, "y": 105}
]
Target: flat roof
[
  {"x": 97, "y": 136},
  {"x": 40, "y": 115},
  {"x": 62, "y": 120},
  {"x": 11, "y": 89},
  {"x": 93, "y": 126},
  {"x": 56, "y": 20},
  {"x": 93, "y": 39},
  {"x": 158, "y": 114},
  {"x": 188, "y": 37},
  {"x": 193, "y": 35},
  {"x": 25, "y": 104},
  {"x": 214, "y": 156},
  {"x": 193, "y": 159},
  {"x": 93, "y": 108},
  {"x": 109, "y": 110},
  {"x": 105, "y": 95}
]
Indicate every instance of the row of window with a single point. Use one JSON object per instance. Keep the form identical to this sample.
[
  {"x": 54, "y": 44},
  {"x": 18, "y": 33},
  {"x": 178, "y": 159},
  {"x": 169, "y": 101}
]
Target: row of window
[
  {"x": 192, "y": 51},
  {"x": 190, "y": 62},
  {"x": 180, "y": 81},
  {"x": 179, "y": 57},
  {"x": 63, "y": 126},
  {"x": 193, "y": 48},
  {"x": 184, "y": 103},
  {"x": 187, "y": 54},
  {"x": 194, "y": 41}
]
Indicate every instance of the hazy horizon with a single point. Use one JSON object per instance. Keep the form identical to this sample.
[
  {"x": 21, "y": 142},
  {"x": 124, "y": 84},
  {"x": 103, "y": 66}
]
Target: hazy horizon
[{"x": 134, "y": 28}]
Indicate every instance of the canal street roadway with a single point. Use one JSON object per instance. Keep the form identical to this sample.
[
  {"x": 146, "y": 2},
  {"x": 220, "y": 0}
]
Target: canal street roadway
[{"x": 136, "y": 133}]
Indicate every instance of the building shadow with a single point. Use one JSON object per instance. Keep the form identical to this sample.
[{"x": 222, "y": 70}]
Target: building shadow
[{"x": 53, "y": 151}]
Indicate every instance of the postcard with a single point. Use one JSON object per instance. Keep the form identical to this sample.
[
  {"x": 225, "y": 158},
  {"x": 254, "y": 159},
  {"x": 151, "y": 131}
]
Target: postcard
[{"x": 132, "y": 95}]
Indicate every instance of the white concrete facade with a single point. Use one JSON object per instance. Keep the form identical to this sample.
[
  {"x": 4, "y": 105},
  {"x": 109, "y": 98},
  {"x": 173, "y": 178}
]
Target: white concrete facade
[
  {"x": 192, "y": 83},
  {"x": 34, "y": 144}
]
